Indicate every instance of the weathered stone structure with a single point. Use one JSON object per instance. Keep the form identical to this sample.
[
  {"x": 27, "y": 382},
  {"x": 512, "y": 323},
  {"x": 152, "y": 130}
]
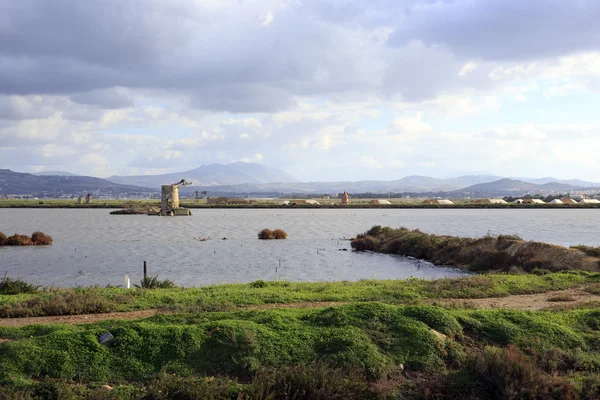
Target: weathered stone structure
[
  {"x": 169, "y": 202},
  {"x": 196, "y": 198},
  {"x": 88, "y": 198},
  {"x": 79, "y": 200},
  {"x": 345, "y": 199}
]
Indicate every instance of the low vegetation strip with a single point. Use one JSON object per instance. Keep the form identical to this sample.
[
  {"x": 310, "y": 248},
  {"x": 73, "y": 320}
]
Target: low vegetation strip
[
  {"x": 356, "y": 351},
  {"x": 490, "y": 253},
  {"x": 37, "y": 238},
  {"x": 75, "y": 301}
]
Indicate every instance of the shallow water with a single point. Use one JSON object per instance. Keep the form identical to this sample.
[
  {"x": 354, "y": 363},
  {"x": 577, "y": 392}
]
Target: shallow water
[{"x": 92, "y": 247}]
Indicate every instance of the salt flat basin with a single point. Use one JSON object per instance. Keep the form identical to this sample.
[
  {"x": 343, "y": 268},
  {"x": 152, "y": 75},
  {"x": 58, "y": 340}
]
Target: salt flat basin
[{"x": 92, "y": 247}]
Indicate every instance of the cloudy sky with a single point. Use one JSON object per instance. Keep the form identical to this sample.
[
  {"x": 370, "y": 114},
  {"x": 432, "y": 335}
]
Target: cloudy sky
[{"x": 323, "y": 89}]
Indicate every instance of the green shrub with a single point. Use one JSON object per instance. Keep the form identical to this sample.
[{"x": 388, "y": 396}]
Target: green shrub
[
  {"x": 155, "y": 283},
  {"x": 258, "y": 284},
  {"x": 10, "y": 285},
  {"x": 436, "y": 318}
]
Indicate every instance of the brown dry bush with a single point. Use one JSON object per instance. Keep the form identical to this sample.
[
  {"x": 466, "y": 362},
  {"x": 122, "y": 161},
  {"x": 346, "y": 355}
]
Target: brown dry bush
[
  {"x": 3, "y": 239},
  {"x": 67, "y": 303},
  {"x": 509, "y": 373},
  {"x": 19, "y": 240},
  {"x": 280, "y": 234},
  {"x": 488, "y": 253},
  {"x": 41, "y": 238},
  {"x": 317, "y": 381},
  {"x": 266, "y": 234}
]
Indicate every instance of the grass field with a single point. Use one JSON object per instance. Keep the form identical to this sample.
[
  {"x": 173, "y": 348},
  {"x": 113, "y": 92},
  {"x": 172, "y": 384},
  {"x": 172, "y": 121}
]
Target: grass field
[
  {"x": 356, "y": 351},
  {"x": 229, "y": 297}
]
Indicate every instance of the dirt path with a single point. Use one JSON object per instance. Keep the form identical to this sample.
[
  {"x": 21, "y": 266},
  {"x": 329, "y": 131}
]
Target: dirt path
[
  {"x": 75, "y": 319},
  {"x": 537, "y": 301},
  {"x": 308, "y": 304}
]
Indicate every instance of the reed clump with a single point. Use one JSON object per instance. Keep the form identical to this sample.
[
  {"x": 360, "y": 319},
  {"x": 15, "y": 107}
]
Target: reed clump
[
  {"x": 267, "y": 234},
  {"x": 37, "y": 238},
  {"x": 503, "y": 252}
]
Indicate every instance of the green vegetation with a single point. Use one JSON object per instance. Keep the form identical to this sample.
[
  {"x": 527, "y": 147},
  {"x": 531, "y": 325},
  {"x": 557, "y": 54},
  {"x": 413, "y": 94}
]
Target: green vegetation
[
  {"x": 37, "y": 238},
  {"x": 155, "y": 283},
  {"x": 267, "y": 234},
  {"x": 13, "y": 286},
  {"x": 53, "y": 301},
  {"x": 504, "y": 252},
  {"x": 356, "y": 351}
]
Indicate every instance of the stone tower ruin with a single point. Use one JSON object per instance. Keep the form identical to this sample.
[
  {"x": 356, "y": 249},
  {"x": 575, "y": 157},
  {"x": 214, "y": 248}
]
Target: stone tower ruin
[{"x": 169, "y": 201}]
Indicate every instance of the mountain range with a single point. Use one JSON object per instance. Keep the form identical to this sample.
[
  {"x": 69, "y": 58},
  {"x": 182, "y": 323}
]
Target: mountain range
[
  {"x": 211, "y": 175},
  {"x": 242, "y": 178},
  {"x": 16, "y": 183}
]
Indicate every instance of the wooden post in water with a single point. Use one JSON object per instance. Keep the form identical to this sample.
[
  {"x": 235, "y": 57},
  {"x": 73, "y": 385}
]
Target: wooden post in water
[{"x": 145, "y": 271}]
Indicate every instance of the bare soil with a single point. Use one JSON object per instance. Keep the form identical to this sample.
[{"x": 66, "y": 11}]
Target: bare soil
[
  {"x": 538, "y": 301},
  {"x": 75, "y": 319}
]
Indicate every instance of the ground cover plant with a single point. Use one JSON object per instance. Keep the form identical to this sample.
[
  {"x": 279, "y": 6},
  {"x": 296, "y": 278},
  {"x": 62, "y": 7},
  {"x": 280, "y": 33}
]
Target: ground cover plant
[
  {"x": 503, "y": 252},
  {"x": 355, "y": 351},
  {"x": 53, "y": 301}
]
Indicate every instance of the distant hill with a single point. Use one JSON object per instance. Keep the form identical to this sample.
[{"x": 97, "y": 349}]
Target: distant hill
[
  {"x": 55, "y": 173},
  {"x": 454, "y": 187},
  {"x": 574, "y": 182},
  {"x": 511, "y": 187},
  {"x": 210, "y": 175},
  {"x": 16, "y": 183},
  {"x": 413, "y": 183}
]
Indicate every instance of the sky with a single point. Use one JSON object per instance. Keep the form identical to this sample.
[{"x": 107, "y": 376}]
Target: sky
[{"x": 322, "y": 89}]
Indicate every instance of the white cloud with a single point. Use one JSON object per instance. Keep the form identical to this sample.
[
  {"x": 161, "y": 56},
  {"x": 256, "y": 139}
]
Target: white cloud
[
  {"x": 467, "y": 68},
  {"x": 267, "y": 19},
  {"x": 256, "y": 158},
  {"x": 411, "y": 126},
  {"x": 370, "y": 162}
]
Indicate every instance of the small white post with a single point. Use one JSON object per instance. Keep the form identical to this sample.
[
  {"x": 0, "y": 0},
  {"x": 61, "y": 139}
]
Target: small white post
[{"x": 127, "y": 282}]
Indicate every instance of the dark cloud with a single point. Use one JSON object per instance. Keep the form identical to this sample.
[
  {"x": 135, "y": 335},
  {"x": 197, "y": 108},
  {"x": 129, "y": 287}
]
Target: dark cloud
[
  {"x": 223, "y": 57},
  {"x": 504, "y": 29},
  {"x": 105, "y": 98}
]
